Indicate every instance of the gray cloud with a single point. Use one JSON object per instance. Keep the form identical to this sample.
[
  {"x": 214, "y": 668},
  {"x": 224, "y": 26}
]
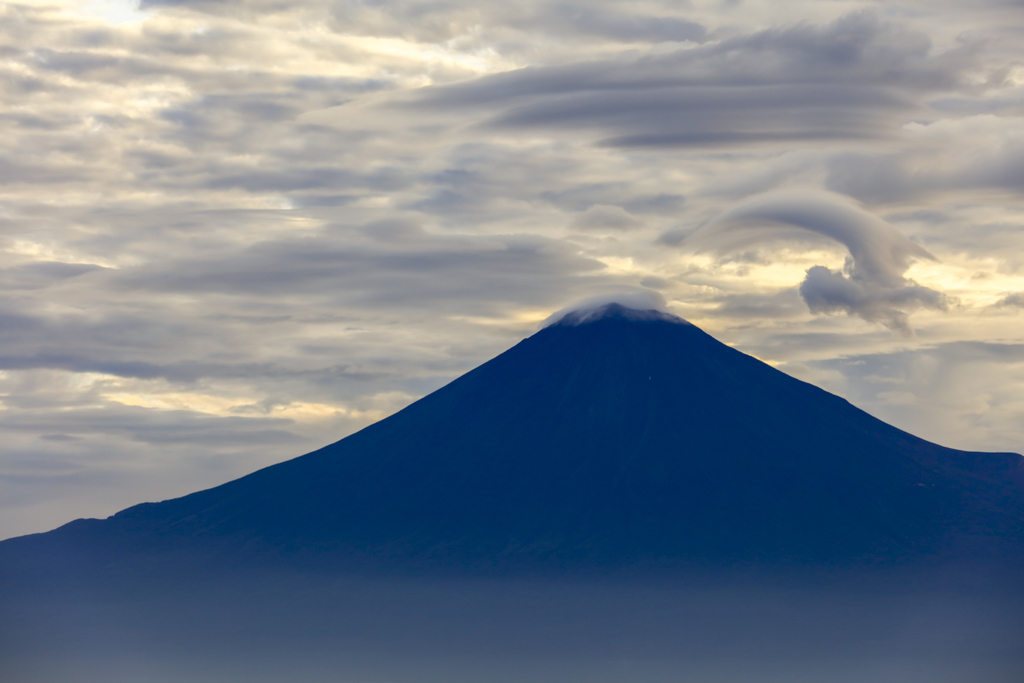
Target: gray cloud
[
  {"x": 894, "y": 177},
  {"x": 182, "y": 372},
  {"x": 143, "y": 426},
  {"x": 584, "y": 196},
  {"x": 827, "y": 291},
  {"x": 605, "y": 216},
  {"x": 42, "y": 274},
  {"x": 853, "y": 78},
  {"x": 873, "y": 286},
  {"x": 439, "y": 21},
  {"x": 407, "y": 272},
  {"x": 749, "y": 306},
  {"x": 561, "y": 18},
  {"x": 1015, "y": 299}
]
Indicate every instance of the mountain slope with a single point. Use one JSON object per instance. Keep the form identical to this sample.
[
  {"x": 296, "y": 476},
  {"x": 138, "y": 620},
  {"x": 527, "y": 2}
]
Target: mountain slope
[{"x": 617, "y": 439}]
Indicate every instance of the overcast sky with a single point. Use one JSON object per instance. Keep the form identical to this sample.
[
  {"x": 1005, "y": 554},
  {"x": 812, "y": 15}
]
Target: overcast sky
[{"x": 233, "y": 232}]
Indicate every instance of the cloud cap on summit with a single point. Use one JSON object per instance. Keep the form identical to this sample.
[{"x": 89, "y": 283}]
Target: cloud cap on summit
[{"x": 629, "y": 299}]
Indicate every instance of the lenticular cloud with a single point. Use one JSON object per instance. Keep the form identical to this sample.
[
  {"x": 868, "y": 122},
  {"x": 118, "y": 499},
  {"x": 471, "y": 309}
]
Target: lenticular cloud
[{"x": 872, "y": 285}]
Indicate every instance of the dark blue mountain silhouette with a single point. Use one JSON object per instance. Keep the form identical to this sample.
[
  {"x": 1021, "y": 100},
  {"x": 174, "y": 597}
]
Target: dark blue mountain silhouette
[
  {"x": 614, "y": 439},
  {"x": 617, "y": 498}
]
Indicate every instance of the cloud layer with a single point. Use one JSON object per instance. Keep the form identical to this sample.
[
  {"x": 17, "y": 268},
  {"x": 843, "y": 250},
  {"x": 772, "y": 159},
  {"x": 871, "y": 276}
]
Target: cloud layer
[{"x": 233, "y": 232}]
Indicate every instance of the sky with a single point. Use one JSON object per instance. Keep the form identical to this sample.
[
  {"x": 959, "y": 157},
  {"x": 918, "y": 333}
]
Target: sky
[{"x": 231, "y": 233}]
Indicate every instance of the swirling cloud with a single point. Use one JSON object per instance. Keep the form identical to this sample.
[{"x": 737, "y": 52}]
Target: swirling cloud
[{"x": 872, "y": 286}]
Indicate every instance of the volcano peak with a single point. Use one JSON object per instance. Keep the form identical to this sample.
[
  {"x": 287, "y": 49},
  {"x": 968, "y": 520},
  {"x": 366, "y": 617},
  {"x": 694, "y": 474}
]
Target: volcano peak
[
  {"x": 619, "y": 438},
  {"x": 590, "y": 314}
]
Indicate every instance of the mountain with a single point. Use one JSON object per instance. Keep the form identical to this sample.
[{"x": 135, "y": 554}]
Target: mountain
[
  {"x": 618, "y": 498},
  {"x": 612, "y": 440}
]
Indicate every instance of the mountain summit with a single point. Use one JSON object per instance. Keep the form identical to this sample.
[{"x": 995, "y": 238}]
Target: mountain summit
[
  {"x": 614, "y": 438},
  {"x": 589, "y": 314}
]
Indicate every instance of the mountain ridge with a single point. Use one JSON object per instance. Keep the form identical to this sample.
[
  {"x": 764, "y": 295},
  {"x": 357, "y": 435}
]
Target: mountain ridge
[{"x": 609, "y": 440}]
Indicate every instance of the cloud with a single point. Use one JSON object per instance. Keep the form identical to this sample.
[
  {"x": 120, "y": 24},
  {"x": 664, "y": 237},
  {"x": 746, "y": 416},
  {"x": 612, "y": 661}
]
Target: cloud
[
  {"x": 603, "y": 216},
  {"x": 582, "y": 196},
  {"x": 635, "y": 298},
  {"x": 954, "y": 390},
  {"x": 967, "y": 160},
  {"x": 339, "y": 266},
  {"x": 1015, "y": 299},
  {"x": 853, "y": 78},
  {"x": 826, "y": 291},
  {"x": 254, "y": 209},
  {"x": 753, "y": 307},
  {"x": 873, "y": 286},
  {"x": 592, "y": 19},
  {"x": 42, "y": 274}
]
